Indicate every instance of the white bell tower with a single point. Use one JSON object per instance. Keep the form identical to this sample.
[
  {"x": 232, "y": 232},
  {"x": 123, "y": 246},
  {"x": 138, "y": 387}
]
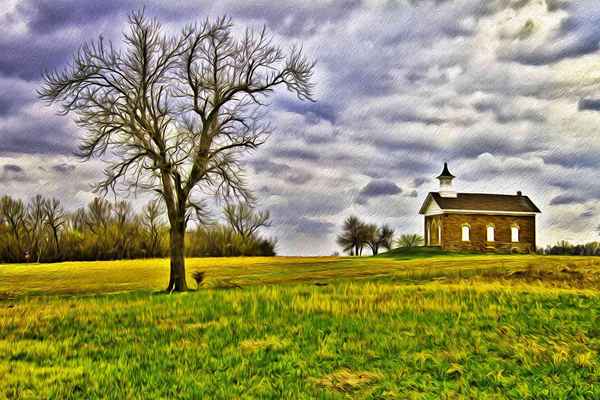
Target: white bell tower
[{"x": 445, "y": 179}]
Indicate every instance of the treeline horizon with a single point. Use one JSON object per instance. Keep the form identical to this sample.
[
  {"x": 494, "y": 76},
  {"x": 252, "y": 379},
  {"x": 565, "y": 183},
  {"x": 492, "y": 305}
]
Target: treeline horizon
[{"x": 42, "y": 231}]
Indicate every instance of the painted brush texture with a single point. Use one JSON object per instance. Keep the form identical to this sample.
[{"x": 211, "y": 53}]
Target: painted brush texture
[{"x": 507, "y": 91}]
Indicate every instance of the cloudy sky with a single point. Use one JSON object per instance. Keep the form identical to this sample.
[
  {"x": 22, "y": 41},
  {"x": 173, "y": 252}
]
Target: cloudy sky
[{"x": 506, "y": 91}]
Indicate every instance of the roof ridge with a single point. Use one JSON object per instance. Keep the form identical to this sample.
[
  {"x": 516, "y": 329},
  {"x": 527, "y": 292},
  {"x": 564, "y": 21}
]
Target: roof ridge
[{"x": 490, "y": 194}]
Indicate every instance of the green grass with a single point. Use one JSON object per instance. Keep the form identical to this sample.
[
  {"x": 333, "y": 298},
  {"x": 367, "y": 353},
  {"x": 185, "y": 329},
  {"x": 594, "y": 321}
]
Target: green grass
[
  {"x": 379, "y": 327},
  {"x": 419, "y": 252}
]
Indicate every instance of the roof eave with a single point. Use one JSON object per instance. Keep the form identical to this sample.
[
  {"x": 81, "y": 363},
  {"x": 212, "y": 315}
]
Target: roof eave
[{"x": 425, "y": 203}]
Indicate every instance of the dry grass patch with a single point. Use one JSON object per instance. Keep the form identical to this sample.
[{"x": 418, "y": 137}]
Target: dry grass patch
[
  {"x": 346, "y": 381},
  {"x": 215, "y": 323},
  {"x": 272, "y": 343}
]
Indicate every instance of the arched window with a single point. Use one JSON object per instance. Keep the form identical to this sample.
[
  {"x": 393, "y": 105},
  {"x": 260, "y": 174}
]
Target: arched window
[
  {"x": 514, "y": 233},
  {"x": 428, "y": 233},
  {"x": 490, "y": 232},
  {"x": 466, "y": 228}
]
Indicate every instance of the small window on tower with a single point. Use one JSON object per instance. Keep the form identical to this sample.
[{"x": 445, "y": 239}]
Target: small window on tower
[{"x": 465, "y": 232}]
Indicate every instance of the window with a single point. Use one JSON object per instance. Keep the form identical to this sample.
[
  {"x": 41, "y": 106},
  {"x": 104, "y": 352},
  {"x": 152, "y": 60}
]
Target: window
[
  {"x": 465, "y": 232},
  {"x": 490, "y": 232},
  {"x": 514, "y": 233}
]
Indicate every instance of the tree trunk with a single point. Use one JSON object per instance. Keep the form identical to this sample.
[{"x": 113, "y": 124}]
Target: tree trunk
[{"x": 177, "y": 282}]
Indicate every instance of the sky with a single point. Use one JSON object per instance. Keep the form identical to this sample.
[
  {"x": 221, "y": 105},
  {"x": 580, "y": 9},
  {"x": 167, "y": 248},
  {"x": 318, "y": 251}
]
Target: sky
[{"x": 506, "y": 91}]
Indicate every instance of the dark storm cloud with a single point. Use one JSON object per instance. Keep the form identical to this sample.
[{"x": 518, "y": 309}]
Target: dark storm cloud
[
  {"x": 29, "y": 56},
  {"x": 296, "y": 154},
  {"x": 13, "y": 96},
  {"x": 294, "y": 20},
  {"x": 577, "y": 158},
  {"x": 27, "y": 135},
  {"x": 577, "y": 36},
  {"x": 312, "y": 111},
  {"x": 308, "y": 226},
  {"x": 48, "y": 16},
  {"x": 295, "y": 176},
  {"x": 505, "y": 114},
  {"x": 12, "y": 168},
  {"x": 63, "y": 168},
  {"x": 567, "y": 199},
  {"x": 418, "y": 182},
  {"x": 53, "y": 33},
  {"x": 13, "y": 173},
  {"x": 377, "y": 188},
  {"x": 400, "y": 116},
  {"x": 396, "y": 142},
  {"x": 380, "y": 188},
  {"x": 403, "y": 164},
  {"x": 472, "y": 146},
  {"x": 588, "y": 104}
]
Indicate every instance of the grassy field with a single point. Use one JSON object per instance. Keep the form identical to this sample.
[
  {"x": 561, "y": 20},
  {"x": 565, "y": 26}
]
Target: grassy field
[{"x": 398, "y": 326}]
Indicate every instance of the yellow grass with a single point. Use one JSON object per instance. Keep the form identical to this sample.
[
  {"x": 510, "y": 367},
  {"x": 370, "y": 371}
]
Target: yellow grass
[{"x": 152, "y": 274}]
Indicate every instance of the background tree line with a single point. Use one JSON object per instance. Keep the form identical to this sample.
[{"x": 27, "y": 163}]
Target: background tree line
[
  {"x": 564, "y": 247},
  {"x": 41, "y": 231},
  {"x": 357, "y": 235}
]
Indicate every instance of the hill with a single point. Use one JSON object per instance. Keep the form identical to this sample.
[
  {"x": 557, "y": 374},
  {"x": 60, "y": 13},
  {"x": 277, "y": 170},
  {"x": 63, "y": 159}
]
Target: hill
[{"x": 377, "y": 327}]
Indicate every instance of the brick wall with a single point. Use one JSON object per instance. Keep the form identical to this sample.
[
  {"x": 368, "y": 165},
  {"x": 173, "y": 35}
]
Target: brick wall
[{"x": 452, "y": 232}]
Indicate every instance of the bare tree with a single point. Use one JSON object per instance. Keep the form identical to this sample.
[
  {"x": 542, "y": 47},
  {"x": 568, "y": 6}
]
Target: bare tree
[
  {"x": 386, "y": 237},
  {"x": 378, "y": 237},
  {"x": 151, "y": 219},
  {"x": 35, "y": 223},
  {"x": 173, "y": 114},
  {"x": 55, "y": 220},
  {"x": 98, "y": 216},
  {"x": 372, "y": 239},
  {"x": 244, "y": 220},
  {"x": 78, "y": 219},
  {"x": 123, "y": 215},
  {"x": 13, "y": 213},
  {"x": 354, "y": 236}
]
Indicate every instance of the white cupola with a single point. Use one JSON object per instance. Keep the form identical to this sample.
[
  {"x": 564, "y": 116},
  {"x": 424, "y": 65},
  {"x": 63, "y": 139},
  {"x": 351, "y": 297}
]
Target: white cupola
[{"x": 445, "y": 179}]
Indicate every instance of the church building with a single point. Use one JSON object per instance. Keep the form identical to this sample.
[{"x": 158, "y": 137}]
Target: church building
[{"x": 477, "y": 221}]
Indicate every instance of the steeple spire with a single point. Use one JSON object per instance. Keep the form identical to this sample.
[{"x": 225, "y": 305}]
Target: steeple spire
[
  {"x": 445, "y": 172},
  {"x": 445, "y": 179}
]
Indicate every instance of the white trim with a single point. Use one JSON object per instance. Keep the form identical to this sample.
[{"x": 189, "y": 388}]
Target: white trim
[
  {"x": 433, "y": 208},
  {"x": 480, "y": 212}
]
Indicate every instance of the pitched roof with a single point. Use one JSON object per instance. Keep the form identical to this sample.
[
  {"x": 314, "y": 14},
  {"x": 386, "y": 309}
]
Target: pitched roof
[{"x": 483, "y": 202}]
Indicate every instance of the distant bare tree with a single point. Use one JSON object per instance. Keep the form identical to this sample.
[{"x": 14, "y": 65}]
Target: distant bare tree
[
  {"x": 78, "y": 219},
  {"x": 123, "y": 215},
  {"x": 372, "y": 237},
  {"x": 55, "y": 220},
  {"x": 151, "y": 219},
  {"x": 98, "y": 216},
  {"x": 386, "y": 237},
  {"x": 378, "y": 237},
  {"x": 354, "y": 236},
  {"x": 13, "y": 213},
  {"x": 173, "y": 114},
  {"x": 244, "y": 220},
  {"x": 35, "y": 223}
]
